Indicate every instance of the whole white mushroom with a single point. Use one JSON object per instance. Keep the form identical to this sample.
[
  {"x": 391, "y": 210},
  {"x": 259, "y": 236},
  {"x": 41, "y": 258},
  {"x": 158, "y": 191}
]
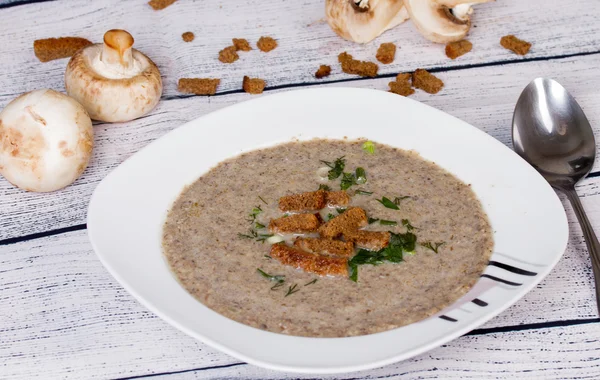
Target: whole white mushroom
[
  {"x": 46, "y": 141},
  {"x": 113, "y": 81}
]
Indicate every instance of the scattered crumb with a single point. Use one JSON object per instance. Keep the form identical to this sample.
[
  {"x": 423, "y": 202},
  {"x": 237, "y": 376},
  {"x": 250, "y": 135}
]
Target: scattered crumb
[
  {"x": 241, "y": 44},
  {"x": 188, "y": 36},
  {"x": 157, "y": 5},
  {"x": 228, "y": 55},
  {"x": 323, "y": 71},
  {"x": 518, "y": 46},
  {"x": 386, "y": 53},
  {"x": 458, "y": 48},
  {"x": 198, "y": 86},
  {"x": 55, "y": 48},
  {"x": 266, "y": 44},
  {"x": 427, "y": 82},
  {"x": 337, "y": 198},
  {"x": 253, "y": 85},
  {"x": 402, "y": 85},
  {"x": 353, "y": 66}
]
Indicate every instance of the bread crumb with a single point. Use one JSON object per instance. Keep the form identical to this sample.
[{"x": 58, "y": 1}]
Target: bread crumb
[
  {"x": 427, "y": 82},
  {"x": 350, "y": 220},
  {"x": 370, "y": 240},
  {"x": 353, "y": 66},
  {"x": 458, "y": 48},
  {"x": 323, "y": 71},
  {"x": 337, "y": 198},
  {"x": 49, "y": 49},
  {"x": 325, "y": 246},
  {"x": 157, "y": 5},
  {"x": 386, "y": 53},
  {"x": 402, "y": 85},
  {"x": 198, "y": 86},
  {"x": 514, "y": 44},
  {"x": 188, "y": 36},
  {"x": 296, "y": 223},
  {"x": 310, "y": 262},
  {"x": 241, "y": 44},
  {"x": 253, "y": 85},
  {"x": 228, "y": 55},
  {"x": 266, "y": 44},
  {"x": 309, "y": 201}
]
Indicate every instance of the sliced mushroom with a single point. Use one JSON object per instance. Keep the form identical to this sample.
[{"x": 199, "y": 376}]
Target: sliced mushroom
[
  {"x": 46, "y": 141},
  {"x": 442, "y": 21},
  {"x": 113, "y": 81},
  {"x": 363, "y": 20}
]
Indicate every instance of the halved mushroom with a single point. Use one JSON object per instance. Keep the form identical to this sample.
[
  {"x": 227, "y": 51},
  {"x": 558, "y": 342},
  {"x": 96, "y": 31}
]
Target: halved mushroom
[
  {"x": 113, "y": 81},
  {"x": 442, "y": 21},
  {"x": 363, "y": 20},
  {"x": 46, "y": 141}
]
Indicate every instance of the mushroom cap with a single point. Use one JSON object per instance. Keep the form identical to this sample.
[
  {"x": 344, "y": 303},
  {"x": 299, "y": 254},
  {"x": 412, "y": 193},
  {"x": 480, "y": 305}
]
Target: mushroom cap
[
  {"x": 46, "y": 141},
  {"x": 442, "y": 21},
  {"x": 362, "y": 25},
  {"x": 109, "y": 94}
]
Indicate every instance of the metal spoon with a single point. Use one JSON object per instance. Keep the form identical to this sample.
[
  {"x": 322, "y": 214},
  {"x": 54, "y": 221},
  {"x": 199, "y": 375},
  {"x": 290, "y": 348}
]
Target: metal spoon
[{"x": 551, "y": 132}]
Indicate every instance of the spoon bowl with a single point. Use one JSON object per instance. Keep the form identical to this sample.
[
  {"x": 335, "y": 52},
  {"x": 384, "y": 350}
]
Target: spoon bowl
[{"x": 551, "y": 132}]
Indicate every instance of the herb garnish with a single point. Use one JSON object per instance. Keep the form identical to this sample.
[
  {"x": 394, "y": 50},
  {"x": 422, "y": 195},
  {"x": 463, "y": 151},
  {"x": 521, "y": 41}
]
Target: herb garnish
[
  {"x": 276, "y": 278},
  {"x": 347, "y": 181},
  {"x": 324, "y": 187},
  {"x": 433, "y": 246},
  {"x": 337, "y": 167},
  {"x": 310, "y": 283},
  {"x": 292, "y": 289},
  {"x": 265, "y": 202},
  {"x": 362, "y": 192},
  {"x": 399, "y": 243},
  {"x": 361, "y": 176},
  {"x": 388, "y": 203},
  {"x": 372, "y": 220},
  {"x": 340, "y": 210},
  {"x": 406, "y": 223},
  {"x": 388, "y": 222},
  {"x": 252, "y": 234},
  {"x": 397, "y": 200},
  {"x": 277, "y": 286},
  {"x": 255, "y": 211},
  {"x": 330, "y": 216},
  {"x": 369, "y": 147},
  {"x": 268, "y": 257},
  {"x": 259, "y": 225}
]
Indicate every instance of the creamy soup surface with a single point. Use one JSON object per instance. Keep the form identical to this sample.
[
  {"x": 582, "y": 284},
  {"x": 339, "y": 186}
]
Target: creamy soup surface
[{"x": 209, "y": 242}]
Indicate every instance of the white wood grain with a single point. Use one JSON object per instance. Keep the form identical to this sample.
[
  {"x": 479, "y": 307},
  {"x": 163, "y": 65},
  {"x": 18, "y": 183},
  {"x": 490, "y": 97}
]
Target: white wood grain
[
  {"x": 305, "y": 42},
  {"x": 62, "y": 315},
  {"x": 484, "y": 97}
]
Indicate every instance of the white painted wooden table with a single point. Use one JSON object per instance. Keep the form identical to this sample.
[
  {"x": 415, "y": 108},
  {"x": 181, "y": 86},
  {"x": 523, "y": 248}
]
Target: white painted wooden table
[{"x": 63, "y": 316}]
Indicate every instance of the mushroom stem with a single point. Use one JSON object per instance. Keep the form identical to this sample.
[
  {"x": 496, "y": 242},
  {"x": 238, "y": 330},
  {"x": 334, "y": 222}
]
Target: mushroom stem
[{"x": 117, "y": 48}]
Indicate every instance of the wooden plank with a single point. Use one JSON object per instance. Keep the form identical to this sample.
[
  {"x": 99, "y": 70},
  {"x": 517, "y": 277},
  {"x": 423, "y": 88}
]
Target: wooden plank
[
  {"x": 484, "y": 97},
  {"x": 305, "y": 40},
  {"x": 63, "y": 315}
]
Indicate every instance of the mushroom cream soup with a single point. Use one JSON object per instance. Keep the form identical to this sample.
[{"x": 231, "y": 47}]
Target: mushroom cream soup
[{"x": 327, "y": 238}]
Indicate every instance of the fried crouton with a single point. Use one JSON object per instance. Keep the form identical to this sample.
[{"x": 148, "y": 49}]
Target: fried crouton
[
  {"x": 337, "y": 198},
  {"x": 402, "y": 85},
  {"x": 310, "y": 262},
  {"x": 457, "y": 48},
  {"x": 157, "y": 5},
  {"x": 50, "y": 49},
  {"x": 371, "y": 240},
  {"x": 253, "y": 85},
  {"x": 325, "y": 246},
  {"x": 241, "y": 44},
  {"x": 514, "y": 44},
  {"x": 386, "y": 53},
  {"x": 297, "y": 223},
  {"x": 353, "y": 66},
  {"x": 198, "y": 86},
  {"x": 323, "y": 71},
  {"x": 188, "y": 36},
  {"x": 266, "y": 44},
  {"x": 228, "y": 55},
  {"x": 352, "y": 219},
  {"x": 426, "y": 81},
  {"x": 310, "y": 201}
]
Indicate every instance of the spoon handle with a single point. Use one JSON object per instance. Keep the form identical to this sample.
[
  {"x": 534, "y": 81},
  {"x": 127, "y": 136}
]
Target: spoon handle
[{"x": 590, "y": 238}]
